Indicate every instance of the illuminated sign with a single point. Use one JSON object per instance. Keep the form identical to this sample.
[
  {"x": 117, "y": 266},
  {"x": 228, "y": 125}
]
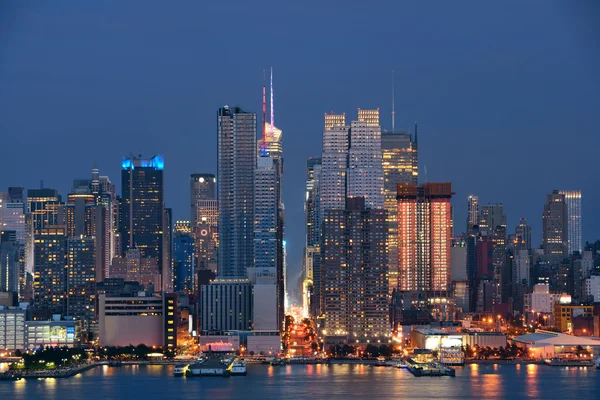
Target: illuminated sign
[
  {"x": 70, "y": 332},
  {"x": 218, "y": 346}
]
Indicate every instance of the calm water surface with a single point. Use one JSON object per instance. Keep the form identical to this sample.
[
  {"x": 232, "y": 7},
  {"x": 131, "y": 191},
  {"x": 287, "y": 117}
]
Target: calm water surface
[{"x": 316, "y": 382}]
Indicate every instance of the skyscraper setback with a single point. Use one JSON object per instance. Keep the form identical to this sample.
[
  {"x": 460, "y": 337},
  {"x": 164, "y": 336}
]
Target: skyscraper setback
[{"x": 236, "y": 130}]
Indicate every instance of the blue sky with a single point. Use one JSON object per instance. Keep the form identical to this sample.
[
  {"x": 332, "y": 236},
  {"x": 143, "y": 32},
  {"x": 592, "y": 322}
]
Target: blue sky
[{"x": 506, "y": 93}]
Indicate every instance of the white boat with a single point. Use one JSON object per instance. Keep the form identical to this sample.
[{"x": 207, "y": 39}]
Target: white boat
[
  {"x": 180, "y": 369},
  {"x": 238, "y": 367}
]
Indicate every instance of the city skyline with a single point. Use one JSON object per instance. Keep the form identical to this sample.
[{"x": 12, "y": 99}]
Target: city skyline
[{"x": 177, "y": 122}]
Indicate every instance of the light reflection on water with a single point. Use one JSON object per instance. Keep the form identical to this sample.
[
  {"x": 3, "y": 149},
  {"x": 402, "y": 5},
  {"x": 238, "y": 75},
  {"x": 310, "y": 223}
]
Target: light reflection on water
[{"x": 317, "y": 381}]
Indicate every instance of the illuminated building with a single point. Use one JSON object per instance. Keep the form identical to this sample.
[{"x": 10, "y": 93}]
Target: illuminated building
[
  {"x": 573, "y": 200},
  {"x": 12, "y": 215},
  {"x": 355, "y": 273},
  {"x": 81, "y": 279},
  {"x": 400, "y": 164},
  {"x": 45, "y": 207},
  {"x": 424, "y": 236},
  {"x": 202, "y": 187},
  {"x": 207, "y": 234},
  {"x": 523, "y": 233},
  {"x": 226, "y": 305},
  {"x": 142, "y": 214},
  {"x": 183, "y": 227},
  {"x": 135, "y": 268},
  {"x": 184, "y": 268},
  {"x": 142, "y": 319},
  {"x": 12, "y": 328},
  {"x": 491, "y": 218},
  {"x": 311, "y": 286},
  {"x": 565, "y": 313},
  {"x": 472, "y": 212},
  {"x": 9, "y": 262},
  {"x": 555, "y": 228},
  {"x": 236, "y": 131},
  {"x": 263, "y": 274},
  {"x": 49, "y": 277},
  {"x": 334, "y": 162}
]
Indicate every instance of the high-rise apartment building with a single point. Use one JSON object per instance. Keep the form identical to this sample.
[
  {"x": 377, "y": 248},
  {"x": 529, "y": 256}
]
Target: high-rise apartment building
[
  {"x": 523, "y": 234},
  {"x": 9, "y": 262},
  {"x": 45, "y": 207},
  {"x": 472, "y": 212},
  {"x": 202, "y": 187},
  {"x": 424, "y": 236},
  {"x": 312, "y": 253},
  {"x": 81, "y": 279},
  {"x": 49, "y": 284},
  {"x": 555, "y": 228},
  {"x": 492, "y": 218},
  {"x": 142, "y": 215},
  {"x": 574, "y": 235},
  {"x": 236, "y": 131},
  {"x": 400, "y": 164},
  {"x": 355, "y": 273},
  {"x": 206, "y": 234},
  {"x": 184, "y": 267}
]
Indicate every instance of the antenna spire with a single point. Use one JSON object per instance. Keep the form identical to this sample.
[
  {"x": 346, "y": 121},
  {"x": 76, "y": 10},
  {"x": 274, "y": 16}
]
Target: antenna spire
[
  {"x": 263, "y": 144},
  {"x": 272, "y": 113},
  {"x": 393, "y": 103}
]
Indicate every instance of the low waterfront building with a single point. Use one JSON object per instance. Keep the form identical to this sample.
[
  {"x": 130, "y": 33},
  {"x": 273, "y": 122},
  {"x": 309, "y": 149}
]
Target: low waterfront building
[
  {"x": 12, "y": 328},
  {"x": 564, "y": 314},
  {"x": 434, "y": 339},
  {"x": 141, "y": 319},
  {"x": 54, "y": 333},
  {"x": 545, "y": 344}
]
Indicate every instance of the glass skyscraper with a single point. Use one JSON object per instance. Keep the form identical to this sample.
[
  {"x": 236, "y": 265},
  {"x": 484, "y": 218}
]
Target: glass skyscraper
[
  {"x": 573, "y": 200},
  {"x": 236, "y": 130}
]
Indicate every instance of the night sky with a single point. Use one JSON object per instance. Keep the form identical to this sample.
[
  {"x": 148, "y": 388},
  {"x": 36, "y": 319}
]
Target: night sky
[{"x": 506, "y": 94}]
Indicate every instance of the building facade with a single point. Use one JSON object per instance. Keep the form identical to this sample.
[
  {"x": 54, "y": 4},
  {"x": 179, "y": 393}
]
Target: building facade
[
  {"x": 555, "y": 228},
  {"x": 202, "y": 187},
  {"x": 236, "y": 131},
  {"x": 574, "y": 235},
  {"x": 355, "y": 283}
]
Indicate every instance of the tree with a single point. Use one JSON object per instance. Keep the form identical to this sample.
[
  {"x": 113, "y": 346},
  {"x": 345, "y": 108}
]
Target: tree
[{"x": 385, "y": 351}]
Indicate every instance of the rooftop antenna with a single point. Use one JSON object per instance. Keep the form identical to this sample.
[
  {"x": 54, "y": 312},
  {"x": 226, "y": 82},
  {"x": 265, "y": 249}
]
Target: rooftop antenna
[
  {"x": 393, "y": 103},
  {"x": 272, "y": 112},
  {"x": 263, "y": 144}
]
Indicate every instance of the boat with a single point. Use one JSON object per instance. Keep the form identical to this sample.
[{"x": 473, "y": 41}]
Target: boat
[
  {"x": 180, "y": 369},
  {"x": 238, "y": 367},
  {"x": 277, "y": 361},
  {"x": 207, "y": 368},
  {"x": 402, "y": 365}
]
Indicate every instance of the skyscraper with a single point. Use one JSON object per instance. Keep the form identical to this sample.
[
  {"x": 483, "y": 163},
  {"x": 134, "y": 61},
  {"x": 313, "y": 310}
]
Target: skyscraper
[
  {"x": 202, "y": 187},
  {"x": 523, "y": 234},
  {"x": 184, "y": 268},
  {"x": 12, "y": 213},
  {"x": 472, "y": 212},
  {"x": 312, "y": 250},
  {"x": 400, "y": 164},
  {"x": 555, "y": 228},
  {"x": 492, "y": 217},
  {"x": 142, "y": 208},
  {"x": 45, "y": 207},
  {"x": 424, "y": 236},
  {"x": 9, "y": 262},
  {"x": 81, "y": 278},
  {"x": 236, "y": 131},
  {"x": 573, "y": 200},
  {"x": 49, "y": 277},
  {"x": 355, "y": 273}
]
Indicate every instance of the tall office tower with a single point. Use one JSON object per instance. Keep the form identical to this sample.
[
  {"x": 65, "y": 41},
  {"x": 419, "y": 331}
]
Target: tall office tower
[
  {"x": 523, "y": 234},
  {"x": 522, "y": 268},
  {"x": 555, "y": 228},
  {"x": 206, "y": 234},
  {"x": 133, "y": 267},
  {"x": 81, "y": 279},
  {"x": 355, "y": 273},
  {"x": 334, "y": 160},
  {"x": 142, "y": 208},
  {"x": 12, "y": 213},
  {"x": 273, "y": 144},
  {"x": 264, "y": 273},
  {"x": 311, "y": 286},
  {"x": 424, "y": 236},
  {"x": 80, "y": 212},
  {"x": 573, "y": 200},
  {"x": 236, "y": 131},
  {"x": 472, "y": 212},
  {"x": 9, "y": 262},
  {"x": 49, "y": 285},
  {"x": 45, "y": 207},
  {"x": 108, "y": 199},
  {"x": 365, "y": 170},
  {"x": 400, "y": 164},
  {"x": 491, "y": 217},
  {"x": 184, "y": 268},
  {"x": 202, "y": 187}
]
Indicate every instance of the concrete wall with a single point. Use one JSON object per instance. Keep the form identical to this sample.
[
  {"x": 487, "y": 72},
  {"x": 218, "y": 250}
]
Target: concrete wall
[{"x": 125, "y": 330}]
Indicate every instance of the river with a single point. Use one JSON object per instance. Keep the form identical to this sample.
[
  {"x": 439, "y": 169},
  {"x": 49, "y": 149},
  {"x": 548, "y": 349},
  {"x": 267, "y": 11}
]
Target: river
[{"x": 315, "y": 382}]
